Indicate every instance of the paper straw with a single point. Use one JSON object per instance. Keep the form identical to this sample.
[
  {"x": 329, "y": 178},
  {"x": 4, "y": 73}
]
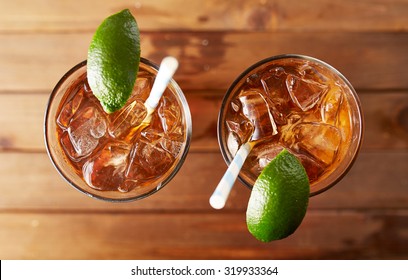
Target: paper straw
[
  {"x": 221, "y": 193},
  {"x": 167, "y": 69}
]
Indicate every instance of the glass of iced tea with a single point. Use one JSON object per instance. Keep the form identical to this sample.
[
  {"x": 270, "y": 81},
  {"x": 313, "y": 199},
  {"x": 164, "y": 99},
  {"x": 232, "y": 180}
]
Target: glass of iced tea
[
  {"x": 306, "y": 106},
  {"x": 94, "y": 152}
]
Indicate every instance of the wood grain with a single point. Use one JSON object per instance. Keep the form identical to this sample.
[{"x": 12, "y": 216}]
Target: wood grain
[
  {"x": 385, "y": 113},
  {"x": 238, "y": 15},
  {"x": 199, "y": 236},
  {"x": 365, "y": 216},
  {"x": 211, "y": 60},
  {"x": 376, "y": 181}
]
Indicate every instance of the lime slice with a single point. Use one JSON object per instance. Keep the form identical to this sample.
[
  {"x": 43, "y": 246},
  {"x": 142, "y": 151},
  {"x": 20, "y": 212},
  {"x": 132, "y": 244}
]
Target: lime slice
[
  {"x": 113, "y": 60},
  {"x": 279, "y": 199}
]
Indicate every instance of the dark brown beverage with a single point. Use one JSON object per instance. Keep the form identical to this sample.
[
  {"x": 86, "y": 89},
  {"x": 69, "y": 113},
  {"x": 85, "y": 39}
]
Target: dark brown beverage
[
  {"x": 297, "y": 103},
  {"x": 102, "y": 150}
]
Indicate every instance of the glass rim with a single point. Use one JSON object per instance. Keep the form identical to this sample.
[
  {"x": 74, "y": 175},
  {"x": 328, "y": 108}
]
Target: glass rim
[
  {"x": 181, "y": 159},
  {"x": 259, "y": 63}
]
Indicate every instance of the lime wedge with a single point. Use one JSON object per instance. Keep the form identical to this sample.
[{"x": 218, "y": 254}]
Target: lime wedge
[
  {"x": 113, "y": 60},
  {"x": 279, "y": 199}
]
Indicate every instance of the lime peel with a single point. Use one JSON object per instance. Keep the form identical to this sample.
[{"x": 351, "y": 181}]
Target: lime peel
[
  {"x": 113, "y": 60},
  {"x": 279, "y": 199}
]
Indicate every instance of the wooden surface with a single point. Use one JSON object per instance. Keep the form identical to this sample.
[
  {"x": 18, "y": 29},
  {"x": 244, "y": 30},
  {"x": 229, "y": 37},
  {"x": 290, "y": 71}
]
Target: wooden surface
[{"x": 365, "y": 216}]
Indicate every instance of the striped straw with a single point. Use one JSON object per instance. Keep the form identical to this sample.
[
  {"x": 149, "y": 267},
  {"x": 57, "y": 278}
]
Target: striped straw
[
  {"x": 167, "y": 69},
  {"x": 221, "y": 193}
]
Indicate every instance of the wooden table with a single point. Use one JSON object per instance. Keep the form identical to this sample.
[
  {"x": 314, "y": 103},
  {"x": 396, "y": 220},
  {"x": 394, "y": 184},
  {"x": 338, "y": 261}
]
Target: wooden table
[{"x": 365, "y": 216}]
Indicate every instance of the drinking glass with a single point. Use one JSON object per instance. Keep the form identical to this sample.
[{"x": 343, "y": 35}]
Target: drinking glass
[
  {"x": 84, "y": 135},
  {"x": 305, "y": 105}
]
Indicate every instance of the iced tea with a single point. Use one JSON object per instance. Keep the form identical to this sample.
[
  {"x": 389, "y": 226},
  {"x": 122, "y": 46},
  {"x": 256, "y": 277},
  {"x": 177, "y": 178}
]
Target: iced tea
[
  {"x": 98, "y": 153},
  {"x": 298, "y": 103}
]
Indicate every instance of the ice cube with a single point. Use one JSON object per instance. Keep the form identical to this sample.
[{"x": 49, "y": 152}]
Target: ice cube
[
  {"x": 172, "y": 142},
  {"x": 69, "y": 109},
  {"x": 68, "y": 148},
  {"x": 273, "y": 82},
  {"x": 85, "y": 130},
  {"x": 241, "y": 128},
  {"x": 310, "y": 72},
  {"x": 130, "y": 116},
  {"x": 344, "y": 120},
  {"x": 304, "y": 93},
  {"x": 319, "y": 140},
  {"x": 98, "y": 129},
  {"x": 236, "y": 105},
  {"x": 142, "y": 88},
  {"x": 261, "y": 155},
  {"x": 172, "y": 146},
  {"x": 106, "y": 169},
  {"x": 253, "y": 80},
  {"x": 313, "y": 168},
  {"x": 255, "y": 108},
  {"x": 149, "y": 160},
  {"x": 170, "y": 115},
  {"x": 286, "y": 131},
  {"x": 331, "y": 104},
  {"x": 134, "y": 111}
]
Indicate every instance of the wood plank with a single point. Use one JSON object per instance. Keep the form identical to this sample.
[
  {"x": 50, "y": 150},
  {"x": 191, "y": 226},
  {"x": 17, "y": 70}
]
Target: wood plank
[
  {"x": 378, "y": 180},
  {"x": 386, "y": 120},
  {"x": 365, "y": 216},
  {"x": 68, "y": 16},
  {"x": 21, "y": 120},
  {"x": 211, "y": 60},
  {"x": 42, "y": 188},
  {"x": 322, "y": 235},
  {"x": 385, "y": 115}
]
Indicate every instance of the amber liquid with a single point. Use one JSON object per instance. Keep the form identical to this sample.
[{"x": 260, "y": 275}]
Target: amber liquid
[
  {"x": 294, "y": 104},
  {"x": 96, "y": 143}
]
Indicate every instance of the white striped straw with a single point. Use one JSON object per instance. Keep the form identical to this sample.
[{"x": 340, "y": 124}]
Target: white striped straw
[
  {"x": 221, "y": 193},
  {"x": 168, "y": 67}
]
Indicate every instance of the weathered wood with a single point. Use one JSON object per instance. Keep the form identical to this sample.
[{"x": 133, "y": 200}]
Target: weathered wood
[
  {"x": 322, "y": 235},
  {"x": 249, "y": 15},
  {"x": 386, "y": 127},
  {"x": 29, "y": 182},
  {"x": 211, "y": 60},
  {"x": 386, "y": 120},
  {"x": 363, "y": 217},
  {"x": 21, "y": 121}
]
